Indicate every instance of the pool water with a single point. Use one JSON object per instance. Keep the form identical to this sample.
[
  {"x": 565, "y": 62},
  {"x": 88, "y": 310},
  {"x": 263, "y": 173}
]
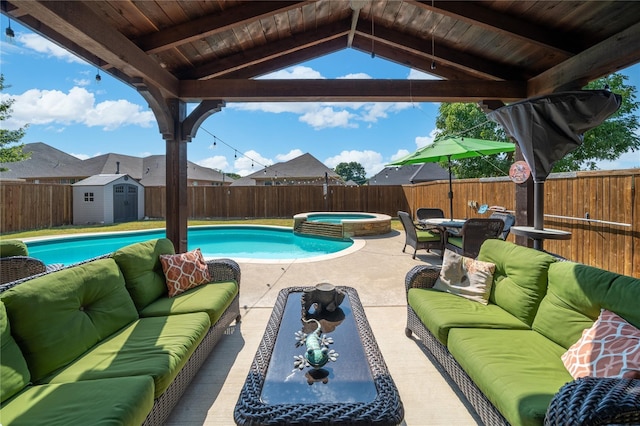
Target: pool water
[
  {"x": 237, "y": 242},
  {"x": 337, "y": 218}
]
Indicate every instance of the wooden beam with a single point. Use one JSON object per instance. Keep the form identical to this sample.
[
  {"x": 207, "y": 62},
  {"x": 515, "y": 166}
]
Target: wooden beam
[
  {"x": 457, "y": 59},
  {"x": 75, "y": 21},
  {"x": 269, "y": 52},
  {"x": 290, "y": 59},
  {"x": 209, "y": 25},
  {"x": 476, "y": 14},
  {"x": 591, "y": 64},
  {"x": 411, "y": 60},
  {"x": 350, "y": 90}
]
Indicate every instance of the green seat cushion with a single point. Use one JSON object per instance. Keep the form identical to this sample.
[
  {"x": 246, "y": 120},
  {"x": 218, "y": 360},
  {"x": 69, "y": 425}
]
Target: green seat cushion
[
  {"x": 455, "y": 241},
  {"x": 13, "y": 248},
  {"x": 14, "y": 373},
  {"x": 211, "y": 298},
  {"x": 158, "y": 347},
  {"x": 119, "y": 401},
  {"x": 575, "y": 297},
  {"x": 57, "y": 317},
  {"x": 440, "y": 312},
  {"x": 142, "y": 270},
  {"x": 426, "y": 236},
  {"x": 519, "y": 371},
  {"x": 520, "y": 278}
]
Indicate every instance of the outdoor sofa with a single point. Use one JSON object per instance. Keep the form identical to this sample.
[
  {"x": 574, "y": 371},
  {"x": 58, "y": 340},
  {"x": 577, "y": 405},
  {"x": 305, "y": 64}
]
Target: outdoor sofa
[
  {"x": 505, "y": 356},
  {"x": 101, "y": 342}
]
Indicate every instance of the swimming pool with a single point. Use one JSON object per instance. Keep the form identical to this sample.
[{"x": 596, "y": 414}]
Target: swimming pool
[{"x": 248, "y": 242}]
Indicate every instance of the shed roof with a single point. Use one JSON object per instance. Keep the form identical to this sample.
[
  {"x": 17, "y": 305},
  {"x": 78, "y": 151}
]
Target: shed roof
[{"x": 105, "y": 179}]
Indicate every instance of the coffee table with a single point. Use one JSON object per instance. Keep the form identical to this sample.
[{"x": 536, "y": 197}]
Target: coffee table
[{"x": 355, "y": 389}]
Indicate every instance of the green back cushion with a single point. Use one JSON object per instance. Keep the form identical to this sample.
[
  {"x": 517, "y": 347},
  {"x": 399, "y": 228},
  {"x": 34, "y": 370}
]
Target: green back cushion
[
  {"x": 142, "y": 270},
  {"x": 13, "y": 248},
  {"x": 14, "y": 373},
  {"x": 575, "y": 297},
  {"x": 57, "y": 317},
  {"x": 520, "y": 279}
]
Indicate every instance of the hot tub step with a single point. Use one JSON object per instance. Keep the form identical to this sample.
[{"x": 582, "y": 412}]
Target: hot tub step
[{"x": 320, "y": 229}]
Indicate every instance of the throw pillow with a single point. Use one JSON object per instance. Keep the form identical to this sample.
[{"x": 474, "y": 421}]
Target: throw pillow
[
  {"x": 465, "y": 277},
  {"x": 609, "y": 348},
  {"x": 184, "y": 271}
]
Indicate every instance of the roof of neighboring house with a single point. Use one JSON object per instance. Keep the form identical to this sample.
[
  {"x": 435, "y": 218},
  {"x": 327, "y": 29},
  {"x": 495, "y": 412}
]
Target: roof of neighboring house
[
  {"x": 49, "y": 162},
  {"x": 304, "y": 167},
  {"x": 412, "y": 173},
  {"x": 45, "y": 161},
  {"x": 103, "y": 179}
]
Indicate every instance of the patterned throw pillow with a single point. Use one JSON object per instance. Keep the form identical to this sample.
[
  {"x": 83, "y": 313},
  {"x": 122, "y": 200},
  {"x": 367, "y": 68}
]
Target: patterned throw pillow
[
  {"x": 184, "y": 271},
  {"x": 465, "y": 277},
  {"x": 610, "y": 348}
]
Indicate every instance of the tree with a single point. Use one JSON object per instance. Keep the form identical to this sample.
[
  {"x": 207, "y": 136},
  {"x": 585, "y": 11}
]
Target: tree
[
  {"x": 615, "y": 136},
  {"x": 9, "y": 153},
  {"x": 351, "y": 171},
  {"x": 470, "y": 121}
]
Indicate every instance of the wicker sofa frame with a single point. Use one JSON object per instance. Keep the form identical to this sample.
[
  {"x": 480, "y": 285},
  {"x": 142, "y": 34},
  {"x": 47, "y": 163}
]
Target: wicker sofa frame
[
  {"x": 421, "y": 277},
  {"x": 219, "y": 270},
  {"x": 14, "y": 268},
  {"x": 587, "y": 401}
]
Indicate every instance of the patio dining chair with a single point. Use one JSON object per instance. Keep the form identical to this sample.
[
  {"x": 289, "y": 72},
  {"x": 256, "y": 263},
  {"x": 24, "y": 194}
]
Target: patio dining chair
[
  {"x": 508, "y": 219},
  {"x": 423, "y": 213},
  {"x": 419, "y": 238},
  {"x": 474, "y": 232}
]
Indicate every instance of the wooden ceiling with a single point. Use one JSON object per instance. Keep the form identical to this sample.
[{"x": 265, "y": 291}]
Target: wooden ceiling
[{"x": 214, "y": 50}]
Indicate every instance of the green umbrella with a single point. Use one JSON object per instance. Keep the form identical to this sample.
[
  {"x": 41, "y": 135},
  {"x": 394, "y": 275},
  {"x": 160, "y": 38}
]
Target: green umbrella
[{"x": 454, "y": 148}]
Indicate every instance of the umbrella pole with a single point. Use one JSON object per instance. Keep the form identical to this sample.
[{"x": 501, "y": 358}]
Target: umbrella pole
[
  {"x": 450, "y": 190},
  {"x": 538, "y": 213}
]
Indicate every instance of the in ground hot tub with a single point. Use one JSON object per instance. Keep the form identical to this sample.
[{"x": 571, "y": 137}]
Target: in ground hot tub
[{"x": 342, "y": 224}]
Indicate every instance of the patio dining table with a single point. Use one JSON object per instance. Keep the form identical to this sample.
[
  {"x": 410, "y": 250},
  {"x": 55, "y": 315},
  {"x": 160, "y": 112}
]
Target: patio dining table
[{"x": 443, "y": 222}]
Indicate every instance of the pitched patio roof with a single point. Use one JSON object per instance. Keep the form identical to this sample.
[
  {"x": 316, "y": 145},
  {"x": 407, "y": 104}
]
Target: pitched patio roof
[
  {"x": 213, "y": 49},
  {"x": 211, "y": 52}
]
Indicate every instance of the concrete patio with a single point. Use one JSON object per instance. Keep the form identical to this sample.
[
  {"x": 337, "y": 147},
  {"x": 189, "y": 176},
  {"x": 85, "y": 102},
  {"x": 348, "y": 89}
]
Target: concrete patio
[{"x": 377, "y": 271}]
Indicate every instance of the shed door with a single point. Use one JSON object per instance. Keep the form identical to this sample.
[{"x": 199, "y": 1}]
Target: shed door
[{"x": 125, "y": 203}]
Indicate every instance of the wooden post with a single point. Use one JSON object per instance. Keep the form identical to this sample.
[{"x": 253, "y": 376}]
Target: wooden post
[{"x": 176, "y": 179}]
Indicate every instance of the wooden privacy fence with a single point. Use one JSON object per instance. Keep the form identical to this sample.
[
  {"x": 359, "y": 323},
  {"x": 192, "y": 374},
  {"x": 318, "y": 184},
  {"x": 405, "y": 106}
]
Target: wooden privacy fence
[
  {"x": 609, "y": 238},
  {"x": 278, "y": 201}
]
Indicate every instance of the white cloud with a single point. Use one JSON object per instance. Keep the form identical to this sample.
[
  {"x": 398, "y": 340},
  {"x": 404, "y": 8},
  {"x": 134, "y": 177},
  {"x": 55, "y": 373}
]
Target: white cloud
[
  {"x": 322, "y": 115},
  {"x": 298, "y": 72},
  {"x": 44, "y": 46},
  {"x": 370, "y": 160},
  {"x": 328, "y": 117},
  {"x": 401, "y": 153},
  {"x": 421, "y": 75},
  {"x": 85, "y": 156},
  {"x": 250, "y": 162},
  {"x": 294, "y": 153},
  {"x": 356, "y": 76},
  {"x": 425, "y": 140},
  {"x": 218, "y": 162},
  {"x": 82, "y": 82},
  {"x": 78, "y": 106}
]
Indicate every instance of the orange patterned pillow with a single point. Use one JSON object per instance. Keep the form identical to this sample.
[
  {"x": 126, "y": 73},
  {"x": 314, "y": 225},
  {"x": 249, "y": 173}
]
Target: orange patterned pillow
[
  {"x": 610, "y": 348},
  {"x": 184, "y": 271}
]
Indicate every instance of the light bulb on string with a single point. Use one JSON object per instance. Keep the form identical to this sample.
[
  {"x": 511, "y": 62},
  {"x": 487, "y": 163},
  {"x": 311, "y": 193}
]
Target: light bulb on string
[
  {"x": 10, "y": 33},
  {"x": 98, "y": 77}
]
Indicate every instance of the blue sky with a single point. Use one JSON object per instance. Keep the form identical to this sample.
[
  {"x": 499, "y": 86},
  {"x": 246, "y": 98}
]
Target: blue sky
[{"x": 56, "y": 93}]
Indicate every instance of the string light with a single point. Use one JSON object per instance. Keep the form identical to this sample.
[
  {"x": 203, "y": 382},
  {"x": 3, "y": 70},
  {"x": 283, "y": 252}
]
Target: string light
[
  {"x": 98, "y": 77},
  {"x": 9, "y": 32}
]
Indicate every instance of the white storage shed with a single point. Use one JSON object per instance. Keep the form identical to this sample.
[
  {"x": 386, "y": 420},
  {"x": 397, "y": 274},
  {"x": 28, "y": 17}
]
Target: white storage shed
[{"x": 107, "y": 198}]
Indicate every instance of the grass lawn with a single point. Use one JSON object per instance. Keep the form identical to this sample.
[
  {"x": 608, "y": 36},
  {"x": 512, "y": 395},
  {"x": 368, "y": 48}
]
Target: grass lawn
[{"x": 151, "y": 224}]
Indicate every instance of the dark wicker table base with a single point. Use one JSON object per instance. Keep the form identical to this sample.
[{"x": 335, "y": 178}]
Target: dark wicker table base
[{"x": 385, "y": 409}]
